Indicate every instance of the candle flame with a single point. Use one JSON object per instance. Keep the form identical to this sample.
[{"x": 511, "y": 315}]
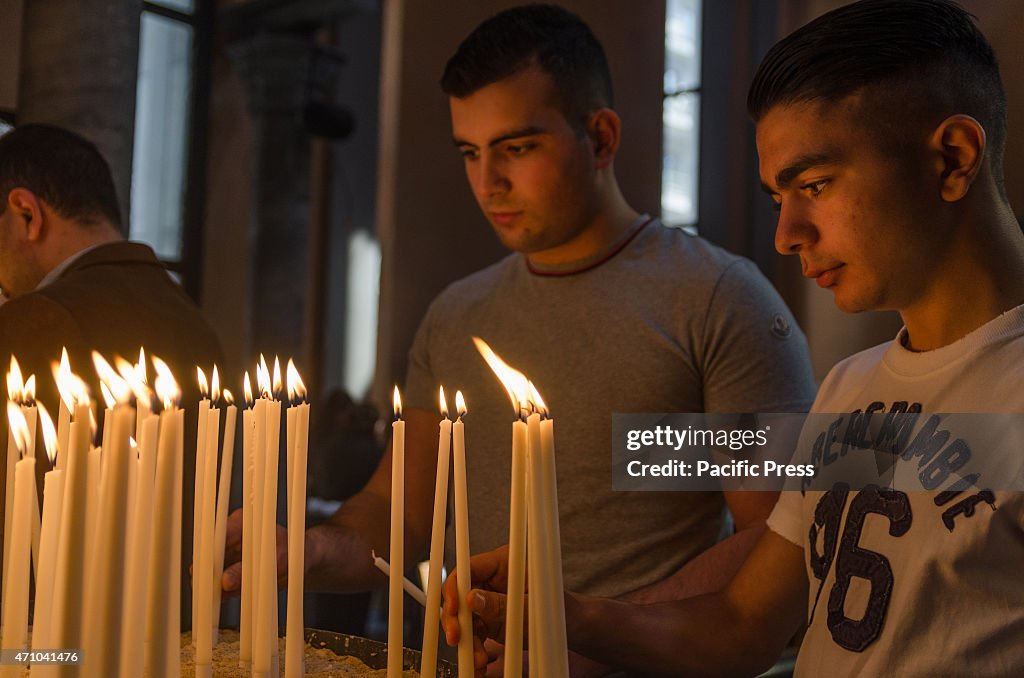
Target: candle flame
[
  {"x": 28, "y": 394},
  {"x": 19, "y": 427},
  {"x": 132, "y": 443},
  {"x": 119, "y": 387},
  {"x": 514, "y": 381},
  {"x": 537, "y": 401},
  {"x": 460, "y": 404},
  {"x": 277, "y": 378},
  {"x": 167, "y": 389},
  {"x": 140, "y": 367},
  {"x": 396, "y": 400},
  {"x": 15, "y": 384},
  {"x": 228, "y": 398},
  {"x": 441, "y": 399},
  {"x": 70, "y": 386},
  {"x": 215, "y": 386},
  {"x": 136, "y": 382},
  {"x": 108, "y": 397},
  {"x": 204, "y": 386},
  {"x": 247, "y": 389},
  {"x": 263, "y": 378},
  {"x": 296, "y": 388},
  {"x": 49, "y": 434}
]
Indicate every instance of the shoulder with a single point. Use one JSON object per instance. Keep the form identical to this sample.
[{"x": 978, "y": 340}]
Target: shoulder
[{"x": 481, "y": 285}]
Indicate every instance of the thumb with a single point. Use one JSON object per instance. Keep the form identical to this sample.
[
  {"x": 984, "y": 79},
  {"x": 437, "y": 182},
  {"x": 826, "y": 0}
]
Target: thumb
[
  {"x": 487, "y": 605},
  {"x": 231, "y": 580}
]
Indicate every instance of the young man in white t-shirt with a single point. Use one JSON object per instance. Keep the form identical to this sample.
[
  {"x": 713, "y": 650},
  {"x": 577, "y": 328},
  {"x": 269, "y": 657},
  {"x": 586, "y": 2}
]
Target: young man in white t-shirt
[{"x": 880, "y": 130}]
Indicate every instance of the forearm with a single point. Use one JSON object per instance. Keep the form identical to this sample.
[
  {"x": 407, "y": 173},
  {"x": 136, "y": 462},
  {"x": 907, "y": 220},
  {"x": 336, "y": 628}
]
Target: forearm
[
  {"x": 699, "y": 636},
  {"x": 710, "y": 571}
]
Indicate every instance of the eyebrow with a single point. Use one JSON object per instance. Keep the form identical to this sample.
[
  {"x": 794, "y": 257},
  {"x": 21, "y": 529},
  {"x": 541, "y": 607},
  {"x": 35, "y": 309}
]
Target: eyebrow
[
  {"x": 513, "y": 134},
  {"x": 798, "y": 167}
]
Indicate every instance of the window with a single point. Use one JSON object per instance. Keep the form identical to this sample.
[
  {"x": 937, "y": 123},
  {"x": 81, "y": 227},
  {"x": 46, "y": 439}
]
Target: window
[
  {"x": 681, "y": 113},
  {"x": 165, "y": 199}
]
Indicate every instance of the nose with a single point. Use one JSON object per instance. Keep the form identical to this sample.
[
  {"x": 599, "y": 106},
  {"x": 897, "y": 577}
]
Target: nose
[
  {"x": 795, "y": 229},
  {"x": 489, "y": 177}
]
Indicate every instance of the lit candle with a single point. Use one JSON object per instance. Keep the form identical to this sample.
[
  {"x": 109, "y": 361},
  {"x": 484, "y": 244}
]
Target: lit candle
[
  {"x": 540, "y": 591},
  {"x": 163, "y": 609},
  {"x": 203, "y": 576},
  {"x": 61, "y": 372},
  {"x": 248, "y": 531},
  {"x": 265, "y": 649},
  {"x": 395, "y": 600},
  {"x": 28, "y": 408},
  {"x": 53, "y": 495},
  {"x": 15, "y": 603},
  {"x": 462, "y": 539},
  {"x": 197, "y": 498},
  {"x": 428, "y": 664},
  {"x": 15, "y": 386},
  {"x": 553, "y": 533},
  {"x": 223, "y": 499},
  {"x": 295, "y": 642},
  {"x": 516, "y": 385},
  {"x": 105, "y": 599}
]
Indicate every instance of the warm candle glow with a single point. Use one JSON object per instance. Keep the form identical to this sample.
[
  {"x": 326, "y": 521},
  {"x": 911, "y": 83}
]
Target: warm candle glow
[
  {"x": 263, "y": 377},
  {"x": 119, "y": 387},
  {"x": 247, "y": 390},
  {"x": 278, "y": 389},
  {"x": 444, "y": 403},
  {"x": 296, "y": 388},
  {"x": 49, "y": 434},
  {"x": 136, "y": 382},
  {"x": 396, "y": 400},
  {"x": 215, "y": 386},
  {"x": 70, "y": 386},
  {"x": 538, "y": 402},
  {"x": 167, "y": 389},
  {"x": 140, "y": 367},
  {"x": 28, "y": 394},
  {"x": 204, "y": 385},
  {"x": 108, "y": 397},
  {"x": 228, "y": 398},
  {"x": 15, "y": 384},
  {"x": 514, "y": 381},
  {"x": 460, "y": 404},
  {"x": 19, "y": 427}
]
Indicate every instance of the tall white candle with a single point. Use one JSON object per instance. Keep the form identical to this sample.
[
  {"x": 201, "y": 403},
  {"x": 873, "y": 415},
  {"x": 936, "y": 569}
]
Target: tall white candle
[
  {"x": 197, "y": 498},
  {"x": 15, "y": 388},
  {"x": 516, "y": 555},
  {"x": 431, "y": 624},
  {"x": 462, "y": 540},
  {"x": 540, "y": 592},
  {"x": 68, "y": 590},
  {"x": 203, "y": 576},
  {"x": 53, "y": 496},
  {"x": 265, "y": 643},
  {"x": 298, "y": 444},
  {"x": 163, "y": 608},
  {"x": 105, "y": 599},
  {"x": 415, "y": 592},
  {"x": 139, "y": 554},
  {"x": 248, "y": 529},
  {"x": 395, "y": 597},
  {"x": 15, "y": 604},
  {"x": 554, "y": 550},
  {"x": 223, "y": 499}
]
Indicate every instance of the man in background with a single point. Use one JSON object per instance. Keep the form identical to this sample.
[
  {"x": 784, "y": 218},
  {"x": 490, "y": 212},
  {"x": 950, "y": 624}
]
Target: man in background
[{"x": 73, "y": 281}]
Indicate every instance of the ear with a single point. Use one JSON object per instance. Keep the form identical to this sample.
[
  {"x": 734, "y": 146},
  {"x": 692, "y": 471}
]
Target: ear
[
  {"x": 603, "y": 130},
  {"x": 960, "y": 142},
  {"x": 27, "y": 209}
]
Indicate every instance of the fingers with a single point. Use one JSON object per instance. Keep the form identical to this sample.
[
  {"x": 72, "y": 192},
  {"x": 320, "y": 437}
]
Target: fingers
[
  {"x": 231, "y": 580},
  {"x": 488, "y": 606}
]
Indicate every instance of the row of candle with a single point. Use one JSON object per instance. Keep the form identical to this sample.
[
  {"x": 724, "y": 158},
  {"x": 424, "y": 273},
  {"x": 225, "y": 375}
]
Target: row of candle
[
  {"x": 124, "y": 590},
  {"x": 534, "y": 538}
]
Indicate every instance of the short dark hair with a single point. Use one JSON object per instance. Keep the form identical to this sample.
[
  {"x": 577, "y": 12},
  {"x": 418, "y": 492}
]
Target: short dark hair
[
  {"x": 930, "y": 50},
  {"x": 547, "y": 36},
  {"x": 62, "y": 169}
]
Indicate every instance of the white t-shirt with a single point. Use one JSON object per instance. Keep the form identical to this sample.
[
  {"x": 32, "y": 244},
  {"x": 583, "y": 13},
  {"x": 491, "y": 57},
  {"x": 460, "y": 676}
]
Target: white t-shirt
[{"x": 918, "y": 583}]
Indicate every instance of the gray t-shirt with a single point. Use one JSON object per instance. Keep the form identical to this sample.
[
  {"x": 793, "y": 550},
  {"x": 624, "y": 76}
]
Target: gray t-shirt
[{"x": 662, "y": 321}]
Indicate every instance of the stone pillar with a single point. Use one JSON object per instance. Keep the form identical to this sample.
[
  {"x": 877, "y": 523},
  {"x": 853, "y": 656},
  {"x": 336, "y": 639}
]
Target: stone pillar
[
  {"x": 272, "y": 45},
  {"x": 79, "y": 66}
]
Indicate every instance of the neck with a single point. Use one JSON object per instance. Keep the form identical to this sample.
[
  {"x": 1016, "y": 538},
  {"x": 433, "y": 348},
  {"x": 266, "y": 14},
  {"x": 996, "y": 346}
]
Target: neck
[
  {"x": 610, "y": 221},
  {"x": 981, "y": 277},
  {"x": 68, "y": 239}
]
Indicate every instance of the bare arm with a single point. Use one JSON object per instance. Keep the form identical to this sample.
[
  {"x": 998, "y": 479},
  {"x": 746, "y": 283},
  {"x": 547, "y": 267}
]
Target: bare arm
[
  {"x": 713, "y": 569},
  {"x": 737, "y": 631},
  {"x": 337, "y": 552}
]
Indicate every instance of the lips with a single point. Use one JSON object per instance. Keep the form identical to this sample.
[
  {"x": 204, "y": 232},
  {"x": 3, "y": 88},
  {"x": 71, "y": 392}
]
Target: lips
[
  {"x": 503, "y": 218},
  {"x": 825, "y": 277}
]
